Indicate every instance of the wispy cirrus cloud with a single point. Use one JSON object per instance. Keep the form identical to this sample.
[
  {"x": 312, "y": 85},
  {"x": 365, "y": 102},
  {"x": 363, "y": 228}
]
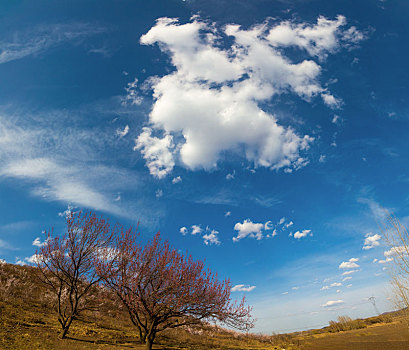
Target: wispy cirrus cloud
[
  {"x": 63, "y": 183},
  {"x": 41, "y": 38},
  {"x": 5, "y": 245},
  {"x": 62, "y": 163}
]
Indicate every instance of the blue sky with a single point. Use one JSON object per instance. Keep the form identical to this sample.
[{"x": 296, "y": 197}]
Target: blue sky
[{"x": 264, "y": 137}]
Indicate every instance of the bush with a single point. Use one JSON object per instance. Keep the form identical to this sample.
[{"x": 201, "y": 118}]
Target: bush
[
  {"x": 281, "y": 340},
  {"x": 346, "y": 323},
  {"x": 18, "y": 283}
]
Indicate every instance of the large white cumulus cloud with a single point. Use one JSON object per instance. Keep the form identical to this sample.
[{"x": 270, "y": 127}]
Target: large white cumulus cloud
[{"x": 212, "y": 102}]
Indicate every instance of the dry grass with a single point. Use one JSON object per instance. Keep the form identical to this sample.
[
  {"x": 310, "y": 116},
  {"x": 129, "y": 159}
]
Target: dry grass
[
  {"x": 392, "y": 336},
  {"x": 28, "y": 322},
  {"x": 346, "y": 323}
]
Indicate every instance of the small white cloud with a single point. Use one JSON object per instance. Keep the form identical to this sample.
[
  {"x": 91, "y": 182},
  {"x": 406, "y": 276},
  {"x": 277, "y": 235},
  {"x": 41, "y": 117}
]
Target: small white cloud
[
  {"x": 211, "y": 238},
  {"x": 158, "y": 193},
  {"x": 331, "y": 101},
  {"x": 350, "y": 264},
  {"x": 196, "y": 229},
  {"x": 371, "y": 241},
  {"x": 132, "y": 95},
  {"x": 353, "y": 36},
  {"x": 122, "y": 133},
  {"x": 346, "y": 278},
  {"x": 289, "y": 224},
  {"x": 157, "y": 152},
  {"x": 349, "y": 285},
  {"x": 227, "y": 213},
  {"x": 375, "y": 260},
  {"x": 349, "y": 272},
  {"x": 268, "y": 225},
  {"x": 284, "y": 293},
  {"x": 248, "y": 229},
  {"x": 400, "y": 250},
  {"x": 322, "y": 158},
  {"x": 332, "y": 303},
  {"x": 275, "y": 233},
  {"x": 387, "y": 260},
  {"x": 34, "y": 259},
  {"x": 242, "y": 288},
  {"x": 336, "y": 119},
  {"x": 282, "y": 220},
  {"x": 176, "y": 180},
  {"x": 231, "y": 175},
  {"x": 118, "y": 197},
  {"x": 20, "y": 262},
  {"x": 67, "y": 212},
  {"x": 295, "y": 288},
  {"x": 37, "y": 242},
  {"x": 335, "y": 284},
  {"x": 303, "y": 233}
]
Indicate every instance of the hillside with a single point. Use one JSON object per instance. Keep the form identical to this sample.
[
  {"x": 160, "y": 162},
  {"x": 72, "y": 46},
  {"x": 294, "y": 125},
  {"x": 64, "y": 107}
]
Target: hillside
[{"x": 28, "y": 322}]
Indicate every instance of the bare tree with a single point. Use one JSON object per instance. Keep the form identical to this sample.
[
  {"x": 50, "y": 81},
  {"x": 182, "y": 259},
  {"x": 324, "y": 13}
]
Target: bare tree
[
  {"x": 396, "y": 236},
  {"x": 66, "y": 263},
  {"x": 162, "y": 289}
]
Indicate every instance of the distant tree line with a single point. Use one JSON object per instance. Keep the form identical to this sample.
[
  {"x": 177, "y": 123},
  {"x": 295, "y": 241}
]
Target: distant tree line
[{"x": 159, "y": 287}]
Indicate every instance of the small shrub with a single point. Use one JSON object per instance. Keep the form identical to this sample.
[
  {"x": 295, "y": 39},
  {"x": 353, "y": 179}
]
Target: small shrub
[
  {"x": 281, "y": 340},
  {"x": 346, "y": 323}
]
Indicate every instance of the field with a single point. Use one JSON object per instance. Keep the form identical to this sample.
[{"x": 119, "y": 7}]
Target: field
[
  {"x": 391, "y": 336},
  {"x": 27, "y": 322}
]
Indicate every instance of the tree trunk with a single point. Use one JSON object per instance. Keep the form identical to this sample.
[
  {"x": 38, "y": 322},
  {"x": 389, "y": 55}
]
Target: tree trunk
[
  {"x": 142, "y": 336},
  {"x": 66, "y": 327},
  {"x": 150, "y": 339},
  {"x": 149, "y": 344},
  {"x": 64, "y": 333}
]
